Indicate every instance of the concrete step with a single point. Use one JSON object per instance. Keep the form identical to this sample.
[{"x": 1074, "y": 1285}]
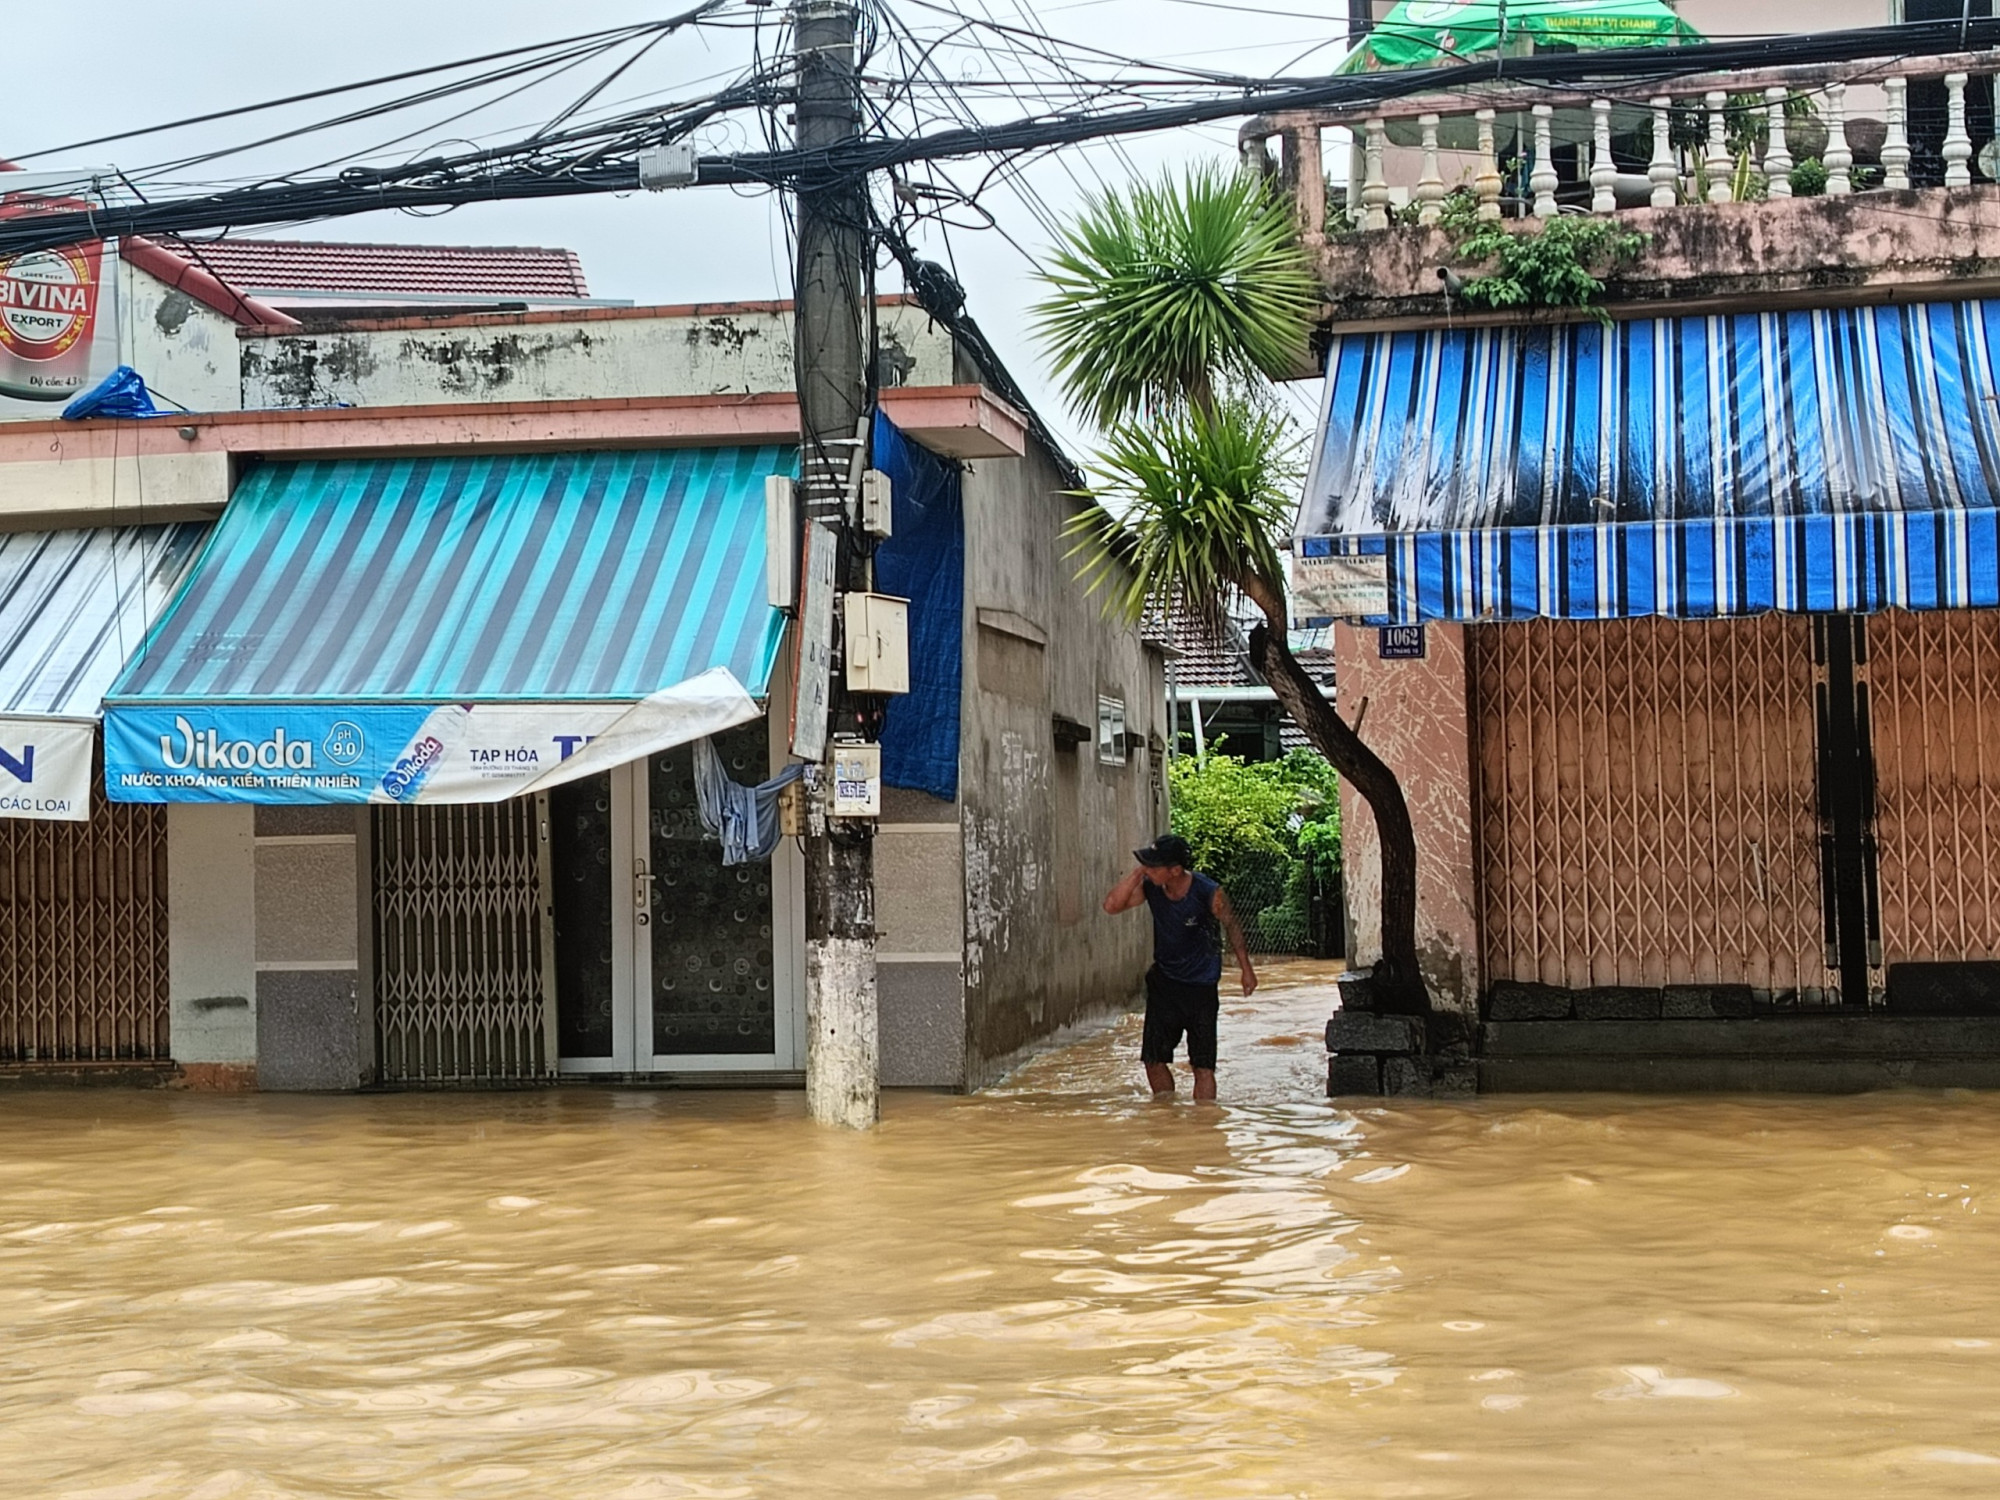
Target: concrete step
[
  {"x": 1877, "y": 1035},
  {"x": 1829, "y": 1053}
]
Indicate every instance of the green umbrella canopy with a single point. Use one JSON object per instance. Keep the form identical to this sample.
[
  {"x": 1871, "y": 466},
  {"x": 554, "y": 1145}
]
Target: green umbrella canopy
[{"x": 1437, "y": 33}]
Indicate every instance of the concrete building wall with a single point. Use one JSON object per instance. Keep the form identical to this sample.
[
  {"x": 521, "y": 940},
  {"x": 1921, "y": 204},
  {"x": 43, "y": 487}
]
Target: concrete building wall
[
  {"x": 212, "y": 943},
  {"x": 313, "y": 1011},
  {"x": 187, "y": 351},
  {"x": 99, "y": 490},
  {"x": 1047, "y": 830},
  {"x": 1417, "y": 721},
  {"x": 920, "y": 925},
  {"x": 594, "y": 353}
]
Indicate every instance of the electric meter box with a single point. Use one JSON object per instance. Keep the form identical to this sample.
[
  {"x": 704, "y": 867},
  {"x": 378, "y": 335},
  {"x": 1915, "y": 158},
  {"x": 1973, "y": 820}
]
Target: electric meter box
[
  {"x": 877, "y": 505},
  {"x": 878, "y": 644},
  {"x": 857, "y": 780}
]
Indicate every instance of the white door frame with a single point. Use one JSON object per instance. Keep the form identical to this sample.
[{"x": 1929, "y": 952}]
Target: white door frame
[{"x": 631, "y": 952}]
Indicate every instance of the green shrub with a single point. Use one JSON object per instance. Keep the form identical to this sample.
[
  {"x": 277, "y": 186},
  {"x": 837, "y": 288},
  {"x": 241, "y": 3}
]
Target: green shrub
[{"x": 1268, "y": 832}]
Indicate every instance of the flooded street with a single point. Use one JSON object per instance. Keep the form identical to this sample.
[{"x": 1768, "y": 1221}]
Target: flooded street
[{"x": 1054, "y": 1289}]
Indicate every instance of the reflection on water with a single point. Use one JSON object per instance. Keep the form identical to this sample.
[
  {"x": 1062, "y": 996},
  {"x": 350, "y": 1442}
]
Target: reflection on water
[{"x": 1056, "y": 1289}]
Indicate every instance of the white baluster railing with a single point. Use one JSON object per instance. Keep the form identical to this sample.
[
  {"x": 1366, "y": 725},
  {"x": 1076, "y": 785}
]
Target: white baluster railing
[
  {"x": 1543, "y": 181},
  {"x": 1896, "y": 140},
  {"x": 1810, "y": 142},
  {"x": 1718, "y": 165},
  {"x": 1665, "y": 172},
  {"x": 1375, "y": 186},
  {"x": 1957, "y": 144},
  {"x": 1778, "y": 143},
  {"x": 1837, "y": 158},
  {"x": 1603, "y": 175},
  {"x": 1486, "y": 186},
  {"x": 1430, "y": 185}
]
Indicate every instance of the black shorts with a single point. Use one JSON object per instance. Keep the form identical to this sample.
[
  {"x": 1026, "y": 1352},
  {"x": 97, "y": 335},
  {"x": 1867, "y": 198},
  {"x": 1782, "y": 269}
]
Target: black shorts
[{"x": 1173, "y": 1008}]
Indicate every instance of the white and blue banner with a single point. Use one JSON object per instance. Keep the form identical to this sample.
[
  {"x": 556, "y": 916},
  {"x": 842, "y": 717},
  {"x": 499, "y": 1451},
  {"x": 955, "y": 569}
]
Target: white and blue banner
[
  {"x": 45, "y": 768},
  {"x": 283, "y": 752}
]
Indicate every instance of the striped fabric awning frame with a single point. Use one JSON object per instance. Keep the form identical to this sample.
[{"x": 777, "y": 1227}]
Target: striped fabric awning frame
[{"x": 1943, "y": 559}]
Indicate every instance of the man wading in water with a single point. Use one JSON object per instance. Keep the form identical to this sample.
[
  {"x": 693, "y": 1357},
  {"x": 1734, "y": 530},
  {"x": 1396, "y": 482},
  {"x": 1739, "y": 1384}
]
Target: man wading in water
[{"x": 1181, "y": 987}]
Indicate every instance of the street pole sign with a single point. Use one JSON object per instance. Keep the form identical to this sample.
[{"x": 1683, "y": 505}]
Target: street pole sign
[{"x": 814, "y": 678}]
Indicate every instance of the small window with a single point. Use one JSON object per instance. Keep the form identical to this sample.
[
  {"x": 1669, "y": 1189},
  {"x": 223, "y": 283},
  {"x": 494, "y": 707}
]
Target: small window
[{"x": 1111, "y": 731}]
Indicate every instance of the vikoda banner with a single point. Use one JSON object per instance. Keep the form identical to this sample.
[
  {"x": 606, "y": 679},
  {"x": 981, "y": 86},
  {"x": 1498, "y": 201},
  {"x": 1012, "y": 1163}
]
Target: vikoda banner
[{"x": 394, "y": 752}]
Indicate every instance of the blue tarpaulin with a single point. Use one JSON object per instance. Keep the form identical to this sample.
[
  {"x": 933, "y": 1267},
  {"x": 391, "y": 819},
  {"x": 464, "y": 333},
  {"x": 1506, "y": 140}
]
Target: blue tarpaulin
[
  {"x": 924, "y": 562},
  {"x": 122, "y": 393}
]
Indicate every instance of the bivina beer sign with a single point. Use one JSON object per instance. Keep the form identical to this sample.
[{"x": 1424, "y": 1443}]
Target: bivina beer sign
[{"x": 56, "y": 333}]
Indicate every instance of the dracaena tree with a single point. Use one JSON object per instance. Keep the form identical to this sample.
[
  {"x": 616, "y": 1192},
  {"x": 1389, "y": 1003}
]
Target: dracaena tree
[{"x": 1171, "y": 307}]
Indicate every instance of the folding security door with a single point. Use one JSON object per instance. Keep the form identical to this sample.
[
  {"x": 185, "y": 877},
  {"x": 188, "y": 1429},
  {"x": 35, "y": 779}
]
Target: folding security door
[
  {"x": 461, "y": 948},
  {"x": 1645, "y": 804},
  {"x": 1934, "y": 682},
  {"x": 83, "y": 937}
]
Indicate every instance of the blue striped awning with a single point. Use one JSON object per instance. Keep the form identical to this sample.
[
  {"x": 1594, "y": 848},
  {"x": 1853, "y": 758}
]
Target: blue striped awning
[
  {"x": 578, "y": 577},
  {"x": 1947, "y": 559},
  {"x": 75, "y": 604},
  {"x": 1839, "y": 459}
]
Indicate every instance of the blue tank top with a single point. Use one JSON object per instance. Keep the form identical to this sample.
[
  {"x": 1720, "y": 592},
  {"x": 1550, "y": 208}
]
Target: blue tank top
[{"x": 1184, "y": 938}]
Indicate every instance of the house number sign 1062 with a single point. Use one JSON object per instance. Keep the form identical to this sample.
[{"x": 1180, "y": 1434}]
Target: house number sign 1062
[{"x": 1400, "y": 643}]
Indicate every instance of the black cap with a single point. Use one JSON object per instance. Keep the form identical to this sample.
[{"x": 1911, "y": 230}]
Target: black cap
[{"x": 1167, "y": 849}]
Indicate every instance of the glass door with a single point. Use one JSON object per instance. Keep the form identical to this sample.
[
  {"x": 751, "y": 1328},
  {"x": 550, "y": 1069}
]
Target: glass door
[{"x": 668, "y": 960}]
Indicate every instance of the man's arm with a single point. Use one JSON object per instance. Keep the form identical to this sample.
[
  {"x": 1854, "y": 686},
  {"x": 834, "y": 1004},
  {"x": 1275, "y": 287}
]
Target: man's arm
[
  {"x": 1226, "y": 915},
  {"x": 1128, "y": 893}
]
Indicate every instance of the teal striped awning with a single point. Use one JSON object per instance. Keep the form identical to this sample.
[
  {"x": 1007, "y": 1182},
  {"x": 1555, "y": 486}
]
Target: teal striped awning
[{"x": 483, "y": 578}]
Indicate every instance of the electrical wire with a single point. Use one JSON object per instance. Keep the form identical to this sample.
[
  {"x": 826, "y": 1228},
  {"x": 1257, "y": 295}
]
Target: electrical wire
[
  {"x": 615, "y": 32},
  {"x": 602, "y": 156}
]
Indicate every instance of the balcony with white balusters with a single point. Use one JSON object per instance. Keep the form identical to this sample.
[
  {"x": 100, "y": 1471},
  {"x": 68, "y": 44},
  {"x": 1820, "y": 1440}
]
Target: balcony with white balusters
[{"x": 1779, "y": 187}]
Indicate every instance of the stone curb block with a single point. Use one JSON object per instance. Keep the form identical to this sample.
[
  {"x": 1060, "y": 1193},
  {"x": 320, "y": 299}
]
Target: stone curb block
[
  {"x": 1350, "y": 1074},
  {"x": 1366, "y": 1033},
  {"x": 1618, "y": 1005},
  {"x": 1529, "y": 1002}
]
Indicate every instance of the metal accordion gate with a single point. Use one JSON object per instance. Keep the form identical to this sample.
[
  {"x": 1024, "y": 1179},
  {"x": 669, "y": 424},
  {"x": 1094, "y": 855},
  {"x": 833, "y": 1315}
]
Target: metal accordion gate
[
  {"x": 83, "y": 937},
  {"x": 463, "y": 953},
  {"x": 1644, "y": 804},
  {"x": 1934, "y": 682}
]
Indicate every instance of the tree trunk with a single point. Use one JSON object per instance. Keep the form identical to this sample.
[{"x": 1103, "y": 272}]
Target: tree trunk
[{"x": 1399, "y": 985}]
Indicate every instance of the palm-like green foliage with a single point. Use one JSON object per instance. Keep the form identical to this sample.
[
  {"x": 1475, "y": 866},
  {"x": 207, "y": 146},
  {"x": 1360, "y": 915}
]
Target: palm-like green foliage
[
  {"x": 1161, "y": 293},
  {"x": 1190, "y": 507}
]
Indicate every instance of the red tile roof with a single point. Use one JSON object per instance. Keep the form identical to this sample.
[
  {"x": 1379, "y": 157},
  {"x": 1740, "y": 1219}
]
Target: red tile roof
[
  {"x": 278, "y": 266},
  {"x": 1206, "y": 658}
]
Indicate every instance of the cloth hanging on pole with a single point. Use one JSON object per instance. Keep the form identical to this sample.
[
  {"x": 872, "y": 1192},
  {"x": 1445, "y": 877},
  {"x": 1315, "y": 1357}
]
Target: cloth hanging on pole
[{"x": 745, "y": 818}]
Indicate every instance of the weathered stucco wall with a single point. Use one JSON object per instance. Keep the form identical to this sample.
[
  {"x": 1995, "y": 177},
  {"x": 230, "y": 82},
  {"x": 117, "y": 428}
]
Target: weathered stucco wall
[
  {"x": 187, "y": 351},
  {"x": 920, "y": 940},
  {"x": 1871, "y": 247},
  {"x": 212, "y": 941},
  {"x": 1047, "y": 830},
  {"x": 85, "y": 488},
  {"x": 1416, "y": 720},
  {"x": 594, "y": 353}
]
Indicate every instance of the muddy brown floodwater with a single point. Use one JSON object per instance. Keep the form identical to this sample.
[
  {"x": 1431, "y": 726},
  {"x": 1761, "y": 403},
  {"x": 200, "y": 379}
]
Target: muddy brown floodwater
[{"x": 1056, "y": 1289}]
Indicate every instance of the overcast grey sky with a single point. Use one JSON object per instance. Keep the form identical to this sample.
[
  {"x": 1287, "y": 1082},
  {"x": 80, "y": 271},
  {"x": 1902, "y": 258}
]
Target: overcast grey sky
[{"x": 129, "y": 63}]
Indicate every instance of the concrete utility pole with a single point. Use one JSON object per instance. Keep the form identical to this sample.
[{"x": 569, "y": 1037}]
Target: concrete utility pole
[{"x": 830, "y": 324}]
